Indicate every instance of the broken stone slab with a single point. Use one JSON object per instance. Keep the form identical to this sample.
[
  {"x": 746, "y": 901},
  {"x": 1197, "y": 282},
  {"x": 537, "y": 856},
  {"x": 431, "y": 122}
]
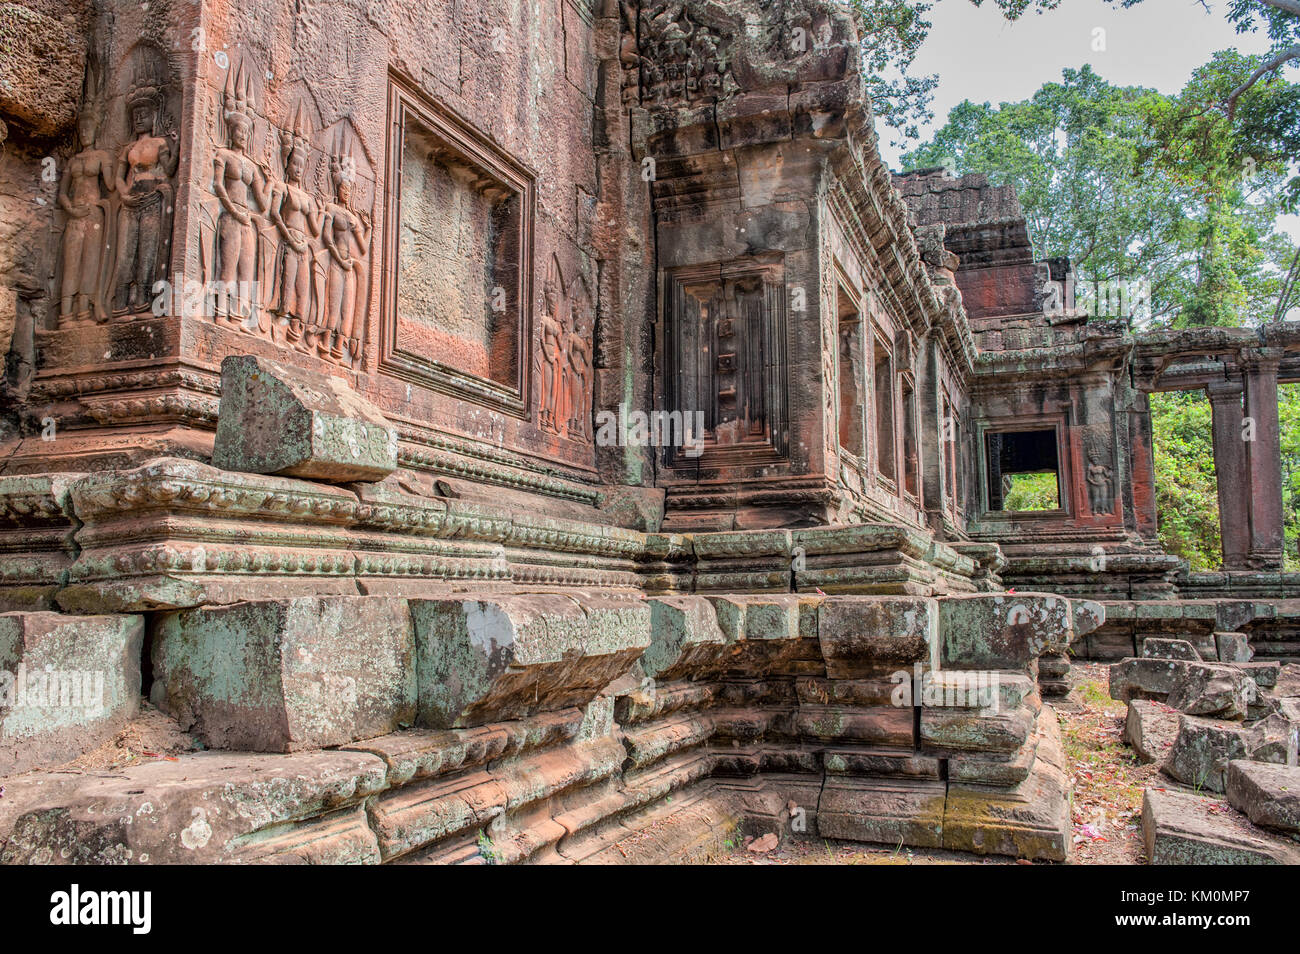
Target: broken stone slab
[
  {"x": 1144, "y": 678},
  {"x": 67, "y": 684},
  {"x": 203, "y": 808},
  {"x": 1185, "y": 829},
  {"x": 1156, "y": 647},
  {"x": 507, "y": 657},
  {"x": 1264, "y": 673},
  {"x": 1150, "y": 729},
  {"x": 1233, "y": 647},
  {"x": 1204, "y": 747},
  {"x": 286, "y": 675},
  {"x": 1267, "y": 794},
  {"x": 1003, "y": 631},
  {"x": 1206, "y": 689},
  {"x": 298, "y": 423}
]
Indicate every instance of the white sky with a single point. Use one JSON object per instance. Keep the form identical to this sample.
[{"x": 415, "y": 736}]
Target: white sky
[{"x": 979, "y": 56}]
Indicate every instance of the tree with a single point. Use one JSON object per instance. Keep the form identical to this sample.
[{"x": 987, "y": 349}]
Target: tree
[{"x": 1079, "y": 153}]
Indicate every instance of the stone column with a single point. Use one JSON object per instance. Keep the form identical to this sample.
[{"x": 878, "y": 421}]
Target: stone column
[
  {"x": 1230, "y": 472},
  {"x": 1264, "y": 460}
]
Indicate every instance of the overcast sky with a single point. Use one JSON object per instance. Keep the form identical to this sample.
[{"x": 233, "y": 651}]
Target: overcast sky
[{"x": 979, "y": 56}]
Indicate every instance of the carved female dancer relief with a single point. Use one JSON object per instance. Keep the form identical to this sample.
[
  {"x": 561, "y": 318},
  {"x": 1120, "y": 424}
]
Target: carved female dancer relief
[
  {"x": 298, "y": 221},
  {"x": 83, "y": 196},
  {"x": 346, "y": 233},
  {"x": 142, "y": 180},
  {"x": 242, "y": 187}
]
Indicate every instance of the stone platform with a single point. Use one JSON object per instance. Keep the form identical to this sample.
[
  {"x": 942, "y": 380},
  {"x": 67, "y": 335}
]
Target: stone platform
[{"x": 584, "y": 726}]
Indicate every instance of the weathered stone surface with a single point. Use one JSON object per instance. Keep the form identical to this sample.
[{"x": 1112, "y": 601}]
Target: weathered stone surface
[
  {"x": 1209, "y": 690},
  {"x": 887, "y": 811},
  {"x": 1268, "y": 794},
  {"x": 1030, "y": 820},
  {"x": 202, "y": 808},
  {"x": 684, "y": 632},
  {"x": 1003, "y": 631},
  {"x": 1185, "y": 829},
  {"x": 1234, "y": 647},
  {"x": 1155, "y": 647},
  {"x": 285, "y": 675},
  {"x": 42, "y": 60},
  {"x": 67, "y": 683},
  {"x": 511, "y": 656},
  {"x": 276, "y": 420},
  {"x": 1144, "y": 678},
  {"x": 1151, "y": 728},
  {"x": 1204, "y": 747},
  {"x": 859, "y": 634}
]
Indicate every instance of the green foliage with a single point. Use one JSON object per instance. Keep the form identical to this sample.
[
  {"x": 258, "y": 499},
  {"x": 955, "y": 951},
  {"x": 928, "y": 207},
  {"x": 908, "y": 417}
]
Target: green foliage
[
  {"x": 1187, "y": 502},
  {"x": 1080, "y": 156},
  {"x": 1031, "y": 492},
  {"x": 1288, "y": 414}
]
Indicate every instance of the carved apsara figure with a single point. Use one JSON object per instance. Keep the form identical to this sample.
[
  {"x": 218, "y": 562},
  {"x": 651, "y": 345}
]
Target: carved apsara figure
[
  {"x": 550, "y": 352},
  {"x": 578, "y": 371},
  {"x": 82, "y": 196},
  {"x": 243, "y": 189},
  {"x": 346, "y": 235},
  {"x": 142, "y": 180},
  {"x": 297, "y": 219},
  {"x": 1100, "y": 498}
]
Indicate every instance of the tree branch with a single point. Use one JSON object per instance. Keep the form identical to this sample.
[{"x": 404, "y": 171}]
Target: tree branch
[{"x": 1290, "y": 53}]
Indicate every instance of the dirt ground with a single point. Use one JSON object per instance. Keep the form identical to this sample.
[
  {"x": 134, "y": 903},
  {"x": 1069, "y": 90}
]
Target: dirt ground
[{"x": 1107, "y": 806}]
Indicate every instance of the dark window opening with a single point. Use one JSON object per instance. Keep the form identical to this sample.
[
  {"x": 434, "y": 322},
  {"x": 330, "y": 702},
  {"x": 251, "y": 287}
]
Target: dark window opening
[
  {"x": 911, "y": 458},
  {"x": 852, "y": 438},
  {"x": 886, "y": 453},
  {"x": 1023, "y": 470}
]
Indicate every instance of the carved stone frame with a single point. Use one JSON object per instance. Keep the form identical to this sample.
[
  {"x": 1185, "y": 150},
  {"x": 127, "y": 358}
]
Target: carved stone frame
[
  {"x": 776, "y": 447},
  {"x": 506, "y": 173}
]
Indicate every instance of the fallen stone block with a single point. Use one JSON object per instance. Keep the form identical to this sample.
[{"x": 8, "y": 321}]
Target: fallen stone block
[
  {"x": 1204, "y": 747},
  {"x": 67, "y": 684},
  {"x": 1205, "y": 689},
  {"x": 1156, "y": 647},
  {"x": 203, "y": 808},
  {"x": 1150, "y": 729},
  {"x": 1184, "y": 829},
  {"x": 286, "y": 675},
  {"x": 1267, "y": 794},
  {"x": 1144, "y": 678},
  {"x": 1265, "y": 674},
  {"x": 278, "y": 420},
  {"x": 508, "y": 657},
  {"x": 1233, "y": 647}
]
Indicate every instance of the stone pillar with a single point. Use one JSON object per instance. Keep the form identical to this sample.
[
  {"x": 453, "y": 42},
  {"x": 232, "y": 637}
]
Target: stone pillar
[
  {"x": 1264, "y": 460},
  {"x": 1230, "y": 472}
]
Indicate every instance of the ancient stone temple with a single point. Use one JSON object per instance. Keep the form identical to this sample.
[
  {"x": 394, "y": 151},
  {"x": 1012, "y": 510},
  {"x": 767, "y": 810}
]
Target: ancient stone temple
[{"x": 547, "y": 432}]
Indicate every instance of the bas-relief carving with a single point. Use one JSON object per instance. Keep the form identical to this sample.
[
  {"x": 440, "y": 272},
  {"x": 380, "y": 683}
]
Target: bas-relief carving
[
  {"x": 285, "y": 250},
  {"x": 116, "y": 242},
  {"x": 679, "y": 58},
  {"x": 562, "y": 361},
  {"x": 1100, "y": 478}
]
